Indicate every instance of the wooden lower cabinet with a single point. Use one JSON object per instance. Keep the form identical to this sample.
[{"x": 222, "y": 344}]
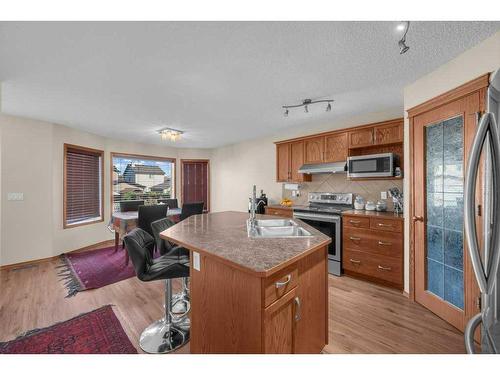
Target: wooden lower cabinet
[
  {"x": 233, "y": 311},
  {"x": 279, "y": 211},
  {"x": 372, "y": 248}
]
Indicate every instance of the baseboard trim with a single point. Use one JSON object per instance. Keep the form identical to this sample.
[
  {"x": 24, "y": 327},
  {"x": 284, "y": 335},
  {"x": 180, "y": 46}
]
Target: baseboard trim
[
  {"x": 406, "y": 294},
  {"x": 36, "y": 261}
]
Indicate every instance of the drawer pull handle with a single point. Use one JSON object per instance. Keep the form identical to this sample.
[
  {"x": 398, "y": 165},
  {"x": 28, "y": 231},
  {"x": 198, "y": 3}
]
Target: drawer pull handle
[
  {"x": 280, "y": 284},
  {"x": 382, "y": 243},
  {"x": 355, "y": 238},
  {"x": 385, "y": 225},
  {"x": 297, "y": 309},
  {"x": 354, "y": 261},
  {"x": 384, "y": 268},
  {"x": 354, "y": 221}
]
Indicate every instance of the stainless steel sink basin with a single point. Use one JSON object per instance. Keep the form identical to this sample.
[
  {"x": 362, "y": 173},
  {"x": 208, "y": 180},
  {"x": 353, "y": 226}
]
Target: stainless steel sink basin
[
  {"x": 280, "y": 228},
  {"x": 275, "y": 223}
]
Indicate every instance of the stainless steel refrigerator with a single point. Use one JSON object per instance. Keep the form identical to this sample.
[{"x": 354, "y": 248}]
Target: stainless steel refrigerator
[{"x": 485, "y": 257}]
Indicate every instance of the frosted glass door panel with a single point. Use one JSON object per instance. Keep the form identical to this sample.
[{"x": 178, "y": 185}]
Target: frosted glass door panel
[{"x": 445, "y": 208}]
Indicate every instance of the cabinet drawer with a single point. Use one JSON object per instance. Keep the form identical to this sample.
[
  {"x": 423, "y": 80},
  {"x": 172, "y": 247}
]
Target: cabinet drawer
[
  {"x": 373, "y": 241},
  {"x": 378, "y": 266},
  {"x": 388, "y": 225},
  {"x": 356, "y": 222},
  {"x": 278, "y": 212},
  {"x": 276, "y": 286}
]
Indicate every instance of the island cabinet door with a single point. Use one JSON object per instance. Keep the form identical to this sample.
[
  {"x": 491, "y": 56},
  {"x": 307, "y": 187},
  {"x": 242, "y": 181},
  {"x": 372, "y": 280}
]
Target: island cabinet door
[{"x": 279, "y": 325}]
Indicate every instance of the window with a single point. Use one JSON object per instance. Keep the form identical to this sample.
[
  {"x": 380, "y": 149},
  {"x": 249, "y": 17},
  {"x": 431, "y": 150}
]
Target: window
[
  {"x": 141, "y": 178},
  {"x": 83, "y": 187}
]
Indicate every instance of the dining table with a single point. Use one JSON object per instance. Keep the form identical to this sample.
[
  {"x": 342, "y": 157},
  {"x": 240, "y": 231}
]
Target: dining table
[{"x": 123, "y": 222}]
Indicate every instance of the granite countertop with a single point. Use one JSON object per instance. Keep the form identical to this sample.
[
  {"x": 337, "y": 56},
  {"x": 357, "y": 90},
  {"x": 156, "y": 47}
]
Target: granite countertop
[
  {"x": 224, "y": 235},
  {"x": 383, "y": 215}
]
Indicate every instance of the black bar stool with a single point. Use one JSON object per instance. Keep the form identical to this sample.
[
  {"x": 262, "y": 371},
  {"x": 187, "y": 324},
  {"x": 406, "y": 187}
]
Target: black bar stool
[
  {"x": 181, "y": 300},
  {"x": 170, "y": 332}
]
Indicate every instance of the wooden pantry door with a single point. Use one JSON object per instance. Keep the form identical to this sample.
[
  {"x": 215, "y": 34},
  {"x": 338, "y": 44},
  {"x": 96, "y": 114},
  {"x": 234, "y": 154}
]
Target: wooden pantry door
[
  {"x": 444, "y": 280},
  {"x": 195, "y": 182}
]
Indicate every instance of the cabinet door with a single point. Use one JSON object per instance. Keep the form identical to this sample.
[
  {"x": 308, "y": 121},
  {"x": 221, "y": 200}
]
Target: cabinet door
[
  {"x": 361, "y": 138},
  {"x": 296, "y": 161},
  {"x": 314, "y": 149},
  {"x": 279, "y": 325},
  {"x": 336, "y": 147},
  {"x": 391, "y": 133},
  {"x": 283, "y": 162}
]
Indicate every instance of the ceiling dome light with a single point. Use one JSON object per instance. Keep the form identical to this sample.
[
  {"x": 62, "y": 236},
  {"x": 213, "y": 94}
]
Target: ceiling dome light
[{"x": 170, "y": 134}]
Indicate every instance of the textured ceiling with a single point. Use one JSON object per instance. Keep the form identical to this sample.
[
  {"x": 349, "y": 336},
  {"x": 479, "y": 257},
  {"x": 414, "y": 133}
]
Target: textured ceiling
[{"x": 221, "y": 82}]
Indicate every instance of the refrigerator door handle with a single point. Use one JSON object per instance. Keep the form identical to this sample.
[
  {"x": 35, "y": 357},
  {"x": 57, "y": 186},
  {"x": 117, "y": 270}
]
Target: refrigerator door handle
[
  {"x": 469, "y": 202},
  {"x": 470, "y": 328}
]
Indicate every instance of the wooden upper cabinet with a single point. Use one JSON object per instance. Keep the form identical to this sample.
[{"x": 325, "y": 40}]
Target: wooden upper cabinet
[
  {"x": 283, "y": 162},
  {"x": 335, "y": 148},
  {"x": 296, "y": 161},
  {"x": 390, "y": 133},
  {"x": 361, "y": 138},
  {"x": 289, "y": 158},
  {"x": 314, "y": 150}
]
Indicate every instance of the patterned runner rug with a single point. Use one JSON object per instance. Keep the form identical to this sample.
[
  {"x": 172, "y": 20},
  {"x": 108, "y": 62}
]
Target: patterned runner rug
[{"x": 95, "y": 332}]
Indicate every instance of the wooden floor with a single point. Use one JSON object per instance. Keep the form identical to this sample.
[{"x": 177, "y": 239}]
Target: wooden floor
[{"x": 364, "y": 318}]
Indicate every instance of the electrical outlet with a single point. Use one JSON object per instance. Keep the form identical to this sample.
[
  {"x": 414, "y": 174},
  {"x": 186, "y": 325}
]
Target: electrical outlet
[
  {"x": 15, "y": 196},
  {"x": 383, "y": 195},
  {"x": 196, "y": 261}
]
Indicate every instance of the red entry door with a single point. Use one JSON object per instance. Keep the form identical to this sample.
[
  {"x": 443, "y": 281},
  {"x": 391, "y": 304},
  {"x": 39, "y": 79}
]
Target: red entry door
[{"x": 195, "y": 182}]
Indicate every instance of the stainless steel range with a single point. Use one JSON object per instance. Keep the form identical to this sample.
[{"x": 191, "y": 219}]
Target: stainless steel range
[{"x": 324, "y": 213}]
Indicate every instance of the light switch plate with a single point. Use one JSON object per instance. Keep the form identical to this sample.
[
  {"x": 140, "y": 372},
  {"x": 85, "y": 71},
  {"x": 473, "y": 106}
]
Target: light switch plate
[
  {"x": 196, "y": 261},
  {"x": 15, "y": 196},
  {"x": 383, "y": 195}
]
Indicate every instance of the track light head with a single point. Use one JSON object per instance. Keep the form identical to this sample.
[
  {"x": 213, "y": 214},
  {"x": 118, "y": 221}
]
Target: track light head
[
  {"x": 403, "y": 48},
  {"x": 286, "y": 112},
  {"x": 306, "y": 109},
  {"x": 328, "y": 107}
]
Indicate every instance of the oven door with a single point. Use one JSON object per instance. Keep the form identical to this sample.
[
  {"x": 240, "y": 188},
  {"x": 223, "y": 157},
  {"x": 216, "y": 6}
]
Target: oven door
[
  {"x": 379, "y": 165},
  {"x": 328, "y": 225}
]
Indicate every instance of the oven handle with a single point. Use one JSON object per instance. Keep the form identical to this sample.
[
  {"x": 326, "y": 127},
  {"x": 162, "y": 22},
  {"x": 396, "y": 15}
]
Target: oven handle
[{"x": 325, "y": 218}]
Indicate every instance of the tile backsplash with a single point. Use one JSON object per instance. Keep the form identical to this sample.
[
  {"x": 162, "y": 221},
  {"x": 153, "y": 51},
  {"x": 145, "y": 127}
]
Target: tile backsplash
[{"x": 338, "y": 183}]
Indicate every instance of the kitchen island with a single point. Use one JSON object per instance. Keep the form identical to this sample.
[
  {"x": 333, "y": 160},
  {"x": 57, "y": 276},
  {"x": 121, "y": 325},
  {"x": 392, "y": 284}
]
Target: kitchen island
[{"x": 254, "y": 295}]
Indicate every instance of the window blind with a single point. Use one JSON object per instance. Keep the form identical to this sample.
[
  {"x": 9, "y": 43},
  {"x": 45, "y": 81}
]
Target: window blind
[{"x": 83, "y": 185}]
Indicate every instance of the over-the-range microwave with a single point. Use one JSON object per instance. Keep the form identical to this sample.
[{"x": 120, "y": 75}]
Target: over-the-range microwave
[{"x": 376, "y": 165}]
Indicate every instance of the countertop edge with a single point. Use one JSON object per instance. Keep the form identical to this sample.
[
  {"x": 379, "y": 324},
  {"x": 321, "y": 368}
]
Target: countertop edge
[
  {"x": 379, "y": 214},
  {"x": 241, "y": 267}
]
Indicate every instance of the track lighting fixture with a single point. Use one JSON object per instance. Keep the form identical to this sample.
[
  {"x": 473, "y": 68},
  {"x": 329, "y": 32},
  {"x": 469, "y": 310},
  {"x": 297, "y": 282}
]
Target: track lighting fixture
[
  {"x": 306, "y": 103},
  {"x": 403, "y": 48},
  {"x": 170, "y": 134}
]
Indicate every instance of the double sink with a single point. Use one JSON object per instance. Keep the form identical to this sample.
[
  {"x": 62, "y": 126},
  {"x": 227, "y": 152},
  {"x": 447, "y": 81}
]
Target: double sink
[{"x": 275, "y": 228}]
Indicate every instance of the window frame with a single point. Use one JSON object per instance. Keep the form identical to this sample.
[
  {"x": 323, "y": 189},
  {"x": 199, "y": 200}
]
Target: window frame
[
  {"x": 139, "y": 156},
  {"x": 68, "y": 146}
]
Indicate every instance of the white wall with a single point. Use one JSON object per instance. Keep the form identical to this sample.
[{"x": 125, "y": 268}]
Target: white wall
[
  {"x": 237, "y": 167},
  {"x": 481, "y": 59},
  {"x": 31, "y": 155}
]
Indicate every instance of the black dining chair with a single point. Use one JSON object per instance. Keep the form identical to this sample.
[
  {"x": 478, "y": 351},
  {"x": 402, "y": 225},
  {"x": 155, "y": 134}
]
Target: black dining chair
[
  {"x": 190, "y": 209},
  {"x": 126, "y": 206},
  {"x": 148, "y": 214},
  {"x": 170, "y": 202}
]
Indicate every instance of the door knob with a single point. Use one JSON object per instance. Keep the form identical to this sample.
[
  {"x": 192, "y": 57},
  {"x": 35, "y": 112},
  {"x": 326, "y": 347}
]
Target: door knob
[{"x": 418, "y": 218}]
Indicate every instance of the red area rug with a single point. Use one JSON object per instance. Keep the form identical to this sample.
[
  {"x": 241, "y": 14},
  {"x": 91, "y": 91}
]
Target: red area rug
[
  {"x": 94, "y": 269},
  {"x": 95, "y": 332}
]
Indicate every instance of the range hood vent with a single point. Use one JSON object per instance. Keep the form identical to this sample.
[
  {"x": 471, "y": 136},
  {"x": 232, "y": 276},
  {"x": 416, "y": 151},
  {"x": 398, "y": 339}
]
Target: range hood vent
[{"x": 339, "y": 167}]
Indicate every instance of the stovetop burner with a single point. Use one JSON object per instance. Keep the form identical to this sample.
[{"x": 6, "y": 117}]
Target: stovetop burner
[{"x": 330, "y": 203}]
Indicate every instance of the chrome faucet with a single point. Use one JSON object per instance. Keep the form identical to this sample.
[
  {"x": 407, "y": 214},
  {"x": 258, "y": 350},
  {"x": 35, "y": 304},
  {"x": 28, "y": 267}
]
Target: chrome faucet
[{"x": 253, "y": 206}]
